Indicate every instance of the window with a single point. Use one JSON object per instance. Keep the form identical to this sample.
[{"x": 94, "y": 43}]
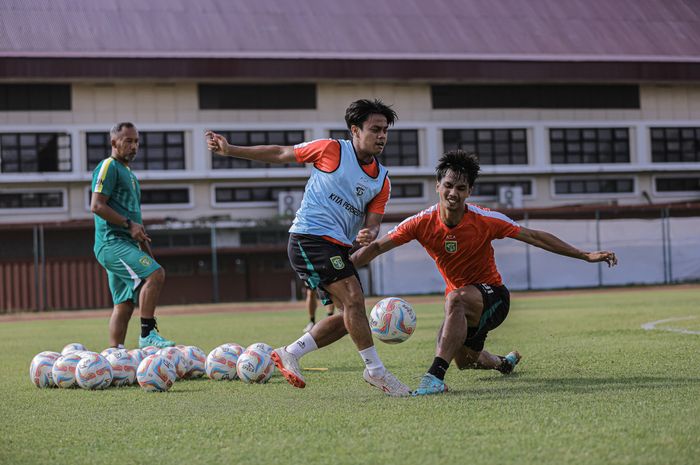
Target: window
[
  {"x": 158, "y": 150},
  {"x": 406, "y": 190},
  {"x": 672, "y": 145},
  {"x": 401, "y": 148},
  {"x": 593, "y": 186},
  {"x": 180, "y": 239},
  {"x": 687, "y": 184},
  {"x": 264, "y": 237},
  {"x": 247, "y": 138},
  {"x": 257, "y": 97},
  {"x": 491, "y": 188},
  {"x": 535, "y": 96},
  {"x": 493, "y": 146},
  {"x": 589, "y": 145},
  {"x": 161, "y": 196},
  {"x": 251, "y": 194},
  {"x": 35, "y": 97},
  {"x": 35, "y": 152},
  {"x": 45, "y": 199}
]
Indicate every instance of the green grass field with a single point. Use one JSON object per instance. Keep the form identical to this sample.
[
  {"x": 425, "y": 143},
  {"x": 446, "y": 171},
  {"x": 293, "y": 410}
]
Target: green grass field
[{"x": 592, "y": 388}]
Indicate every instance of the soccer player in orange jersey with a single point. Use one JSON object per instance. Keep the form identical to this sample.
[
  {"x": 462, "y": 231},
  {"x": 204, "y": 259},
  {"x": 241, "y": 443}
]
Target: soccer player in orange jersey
[{"x": 458, "y": 236}]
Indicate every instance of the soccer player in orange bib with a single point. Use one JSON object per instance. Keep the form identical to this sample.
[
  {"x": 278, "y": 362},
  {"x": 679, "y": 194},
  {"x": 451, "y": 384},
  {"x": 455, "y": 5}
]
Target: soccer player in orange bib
[{"x": 458, "y": 236}]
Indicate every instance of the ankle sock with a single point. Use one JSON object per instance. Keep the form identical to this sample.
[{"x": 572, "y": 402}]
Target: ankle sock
[
  {"x": 302, "y": 346},
  {"x": 439, "y": 368},
  {"x": 374, "y": 365},
  {"x": 147, "y": 324}
]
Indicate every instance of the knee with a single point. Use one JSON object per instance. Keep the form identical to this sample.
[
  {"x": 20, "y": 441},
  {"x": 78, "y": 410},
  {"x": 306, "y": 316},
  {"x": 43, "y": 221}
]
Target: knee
[
  {"x": 157, "y": 277},
  {"x": 464, "y": 302}
]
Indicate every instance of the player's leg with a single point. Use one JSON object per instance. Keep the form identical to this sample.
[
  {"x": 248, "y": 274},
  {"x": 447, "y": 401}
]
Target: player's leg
[
  {"x": 311, "y": 305},
  {"x": 123, "y": 309},
  {"x": 462, "y": 306},
  {"x": 468, "y": 359}
]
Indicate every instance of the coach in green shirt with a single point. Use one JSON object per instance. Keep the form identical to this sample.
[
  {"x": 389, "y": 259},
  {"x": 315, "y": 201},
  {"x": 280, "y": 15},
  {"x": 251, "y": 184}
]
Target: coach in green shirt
[{"x": 121, "y": 243}]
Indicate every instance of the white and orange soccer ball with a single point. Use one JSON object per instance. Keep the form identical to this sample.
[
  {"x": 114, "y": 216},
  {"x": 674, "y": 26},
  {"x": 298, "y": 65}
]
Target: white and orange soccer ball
[
  {"x": 221, "y": 363},
  {"x": 138, "y": 355},
  {"x": 197, "y": 360},
  {"x": 255, "y": 366},
  {"x": 63, "y": 371},
  {"x": 392, "y": 320},
  {"x": 123, "y": 368},
  {"x": 73, "y": 347},
  {"x": 181, "y": 364},
  {"x": 40, "y": 369},
  {"x": 93, "y": 372},
  {"x": 156, "y": 374}
]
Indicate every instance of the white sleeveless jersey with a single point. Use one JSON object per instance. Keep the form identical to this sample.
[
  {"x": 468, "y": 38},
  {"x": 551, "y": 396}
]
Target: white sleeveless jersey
[{"x": 335, "y": 203}]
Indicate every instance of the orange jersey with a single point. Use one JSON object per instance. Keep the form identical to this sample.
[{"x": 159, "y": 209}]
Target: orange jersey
[
  {"x": 325, "y": 156},
  {"x": 462, "y": 253}
]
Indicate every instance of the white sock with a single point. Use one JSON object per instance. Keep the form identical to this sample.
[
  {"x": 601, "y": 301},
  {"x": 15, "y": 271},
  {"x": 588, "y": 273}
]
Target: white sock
[
  {"x": 302, "y": 346},
  {"x": 374, "y": 365},
  {"x": 120, "y": 346}
]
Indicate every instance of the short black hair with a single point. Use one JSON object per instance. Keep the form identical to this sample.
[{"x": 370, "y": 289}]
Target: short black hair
[
  {"x": 461, "y": 163},
  {"x": 117, "y": 128},
  {"x": 360, "y": 110}
]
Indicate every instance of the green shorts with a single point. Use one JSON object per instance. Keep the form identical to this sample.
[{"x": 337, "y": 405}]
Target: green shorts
[{"x": 127, "y": 266}]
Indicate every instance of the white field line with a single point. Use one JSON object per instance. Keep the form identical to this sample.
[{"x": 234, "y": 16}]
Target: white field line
[{"x": 652, "y": 325}]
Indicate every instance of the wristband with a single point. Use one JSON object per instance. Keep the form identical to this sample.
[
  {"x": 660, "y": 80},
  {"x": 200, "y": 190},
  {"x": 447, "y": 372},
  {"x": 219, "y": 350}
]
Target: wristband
[{"x": 128, "y": 223}]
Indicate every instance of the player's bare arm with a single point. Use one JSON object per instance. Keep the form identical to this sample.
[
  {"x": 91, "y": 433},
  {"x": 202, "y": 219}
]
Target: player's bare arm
[
  {"x": 99, "y": 206},
  {"x": 552, "y": 243},
  {"x": 371, "y": 230},
  {"x": 366, "y": 254},
  {"x": 264, "y": 153}
]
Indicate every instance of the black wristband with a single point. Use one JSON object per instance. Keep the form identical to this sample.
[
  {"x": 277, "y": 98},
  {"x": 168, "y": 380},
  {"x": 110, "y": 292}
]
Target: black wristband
[{"x": 128, "y": 223}]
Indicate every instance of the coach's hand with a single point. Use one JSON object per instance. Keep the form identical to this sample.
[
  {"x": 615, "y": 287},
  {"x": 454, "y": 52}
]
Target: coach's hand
[
  {"x": 602, "y": 256},
  {"x": 216, "y": 142},
  {"x": 138, "y": 232}
]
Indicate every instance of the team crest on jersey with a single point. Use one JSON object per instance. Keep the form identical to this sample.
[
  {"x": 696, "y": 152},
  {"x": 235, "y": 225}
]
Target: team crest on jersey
[
  {"x": 145, "y": 261},
  {"x": 451, "y": 246},
  {"x": 337, "y": 262},
  {"x": 360, "y": 189}
]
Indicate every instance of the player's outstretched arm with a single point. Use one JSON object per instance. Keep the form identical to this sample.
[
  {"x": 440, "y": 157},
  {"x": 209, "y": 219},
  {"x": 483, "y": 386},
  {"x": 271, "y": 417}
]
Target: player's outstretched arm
[
  {"x": 264, "y": 153},
  {"x": 366, "y": 235},
  {"x": 552, "y": 243},
  {"x": 366, "y": 254}
]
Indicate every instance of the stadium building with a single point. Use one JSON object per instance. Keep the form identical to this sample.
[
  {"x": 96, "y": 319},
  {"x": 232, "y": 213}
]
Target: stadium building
[{"x": 570, "y": 105}]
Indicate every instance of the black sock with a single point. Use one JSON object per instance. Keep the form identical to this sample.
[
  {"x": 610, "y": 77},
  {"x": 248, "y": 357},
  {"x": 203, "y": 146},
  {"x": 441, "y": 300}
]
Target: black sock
[
  {"x": 147, "y": 324},
  {"x": 313, "y": 320},
  {"x": 329, "y": 314},
  {"x": 439, "y": 368}
]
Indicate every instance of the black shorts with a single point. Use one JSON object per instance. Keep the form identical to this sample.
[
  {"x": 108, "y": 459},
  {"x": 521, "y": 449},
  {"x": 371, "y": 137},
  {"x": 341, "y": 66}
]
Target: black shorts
[
  {"x": 496, "y": 307},
  {"x": 319, "y": 262}
]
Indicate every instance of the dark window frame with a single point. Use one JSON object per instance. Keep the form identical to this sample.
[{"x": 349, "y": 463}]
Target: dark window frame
[
  {"x": 96, "y": 152},
  {"x": 589, "y": 145},
  {"x": 400, "y": 145},
  {"x": 44, "y": 197},
  {"x": 257, "y": 96},
  {"x": 21, "y": 161},
  {"x": 250, "y": 194},
  {"x": 670, "y": 184},
  {"x": 35, "y": 97},
  {"x": 489, "y": 144},
  {"x": 256, "y": 137},
  {"x": 586, "y": 186},
  {"x": 406, "y": 190},
  {"x": 675, "y": 144},
  {"x": 492, "y": 187}
]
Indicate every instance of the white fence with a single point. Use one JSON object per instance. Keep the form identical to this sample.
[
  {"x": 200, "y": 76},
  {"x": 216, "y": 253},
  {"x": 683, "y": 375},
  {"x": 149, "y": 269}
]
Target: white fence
[{"x": 654, "y": 251}]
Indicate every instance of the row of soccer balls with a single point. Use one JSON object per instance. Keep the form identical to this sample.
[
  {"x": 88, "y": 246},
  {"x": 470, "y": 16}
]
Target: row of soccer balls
[{"x": 153, "y": 369}]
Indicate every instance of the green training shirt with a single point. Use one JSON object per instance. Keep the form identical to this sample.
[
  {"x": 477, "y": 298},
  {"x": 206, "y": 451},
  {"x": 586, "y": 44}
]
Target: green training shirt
[{"x": 116, "y": 181}]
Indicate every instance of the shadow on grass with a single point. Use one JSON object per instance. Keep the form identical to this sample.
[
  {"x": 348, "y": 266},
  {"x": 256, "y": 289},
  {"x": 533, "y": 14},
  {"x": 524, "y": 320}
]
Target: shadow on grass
[{"x": 514, "y": 385}]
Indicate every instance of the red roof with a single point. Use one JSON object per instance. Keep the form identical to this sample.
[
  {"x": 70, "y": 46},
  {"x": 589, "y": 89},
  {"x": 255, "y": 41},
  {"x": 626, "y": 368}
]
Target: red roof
[{"x": 541, "y": 30}]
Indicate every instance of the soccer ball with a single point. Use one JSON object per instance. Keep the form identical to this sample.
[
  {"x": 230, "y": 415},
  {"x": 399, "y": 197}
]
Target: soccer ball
[
  {"x": 150, "y": 350},
  {"x": 156, "y": 374},
  {"x": 254, "y": 366},
  {"x": 181, "y": 364},
  {"x": 392, "y": 320},
  {"x": 108, "y": 351},
  {"x": 221, "y": 363},
  {"x": 137, "y": 355},
  {"x": 262, "y": 347},
  {"x": 40, "y": 369},
  {"x": 63, "y": 371},
  {"x": 197, "y": 359},
  {"x": 72, "y": 347},
  {"x": 93, "y": 372},
  {"x": 123, "y": 368},
  {"x": 233, "y": 347}
]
